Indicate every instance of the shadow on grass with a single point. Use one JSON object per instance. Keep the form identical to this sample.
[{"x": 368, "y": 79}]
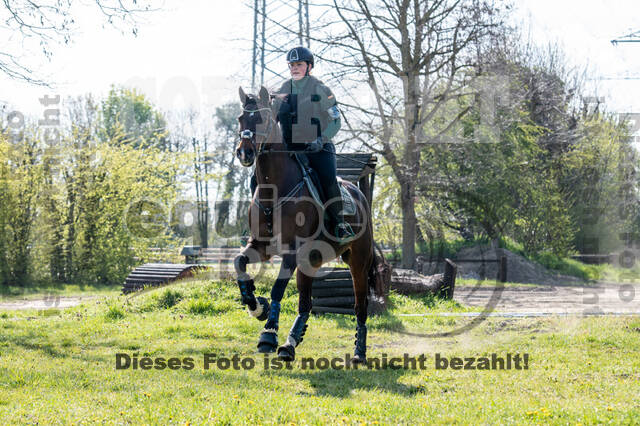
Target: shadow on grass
[
  {"x": 33, "y": 343},
  {"x": 341, "y": 383},
  {"x": 386, "y": 321}
]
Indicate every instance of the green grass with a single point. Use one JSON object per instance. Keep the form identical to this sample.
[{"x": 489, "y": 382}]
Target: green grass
[{"x": 60, "y": 368}]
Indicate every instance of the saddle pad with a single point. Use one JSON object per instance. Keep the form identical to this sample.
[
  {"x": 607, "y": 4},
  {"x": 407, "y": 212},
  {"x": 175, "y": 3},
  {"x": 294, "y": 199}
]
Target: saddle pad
[{"x": 348, "y": 203}]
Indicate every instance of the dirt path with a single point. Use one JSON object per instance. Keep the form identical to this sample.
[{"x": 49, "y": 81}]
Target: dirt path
[
  {"x": 607, "y": 298},
  {"x": 51, "y": 302}
]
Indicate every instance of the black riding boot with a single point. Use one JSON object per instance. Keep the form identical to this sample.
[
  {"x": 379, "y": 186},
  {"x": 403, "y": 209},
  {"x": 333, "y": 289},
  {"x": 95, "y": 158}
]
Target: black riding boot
[
  {"x": 287, "y": 352},
  {"x": 253, "y": 184},
  {"x": 342, "y": 230}
]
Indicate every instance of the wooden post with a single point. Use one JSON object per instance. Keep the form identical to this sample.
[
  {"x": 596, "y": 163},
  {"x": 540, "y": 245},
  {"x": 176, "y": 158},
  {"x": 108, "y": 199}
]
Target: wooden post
[
  {"x": 373, "y": 181},
  {"x": 363, "y": 183},
  {"x": 502, "y": 274},
  {"x": 450, "y": 272}
]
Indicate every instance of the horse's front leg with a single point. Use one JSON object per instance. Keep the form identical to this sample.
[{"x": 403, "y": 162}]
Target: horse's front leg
[
  {"x": 258, "y": 306},
  {"x": 287, "y": 351},
  {"x": 269, "y": 337}
]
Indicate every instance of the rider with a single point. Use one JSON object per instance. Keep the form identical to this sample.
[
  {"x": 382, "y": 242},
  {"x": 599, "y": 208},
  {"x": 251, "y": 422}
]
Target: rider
[{"x": 309, "y": 118}]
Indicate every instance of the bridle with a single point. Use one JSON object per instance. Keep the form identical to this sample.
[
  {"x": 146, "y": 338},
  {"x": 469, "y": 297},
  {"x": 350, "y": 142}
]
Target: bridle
[{"x": 248, "y": 134}]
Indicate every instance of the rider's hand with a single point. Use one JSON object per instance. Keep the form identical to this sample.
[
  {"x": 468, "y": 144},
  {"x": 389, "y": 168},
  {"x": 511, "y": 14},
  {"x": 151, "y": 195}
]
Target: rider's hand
[{"x": 315, "y": 146}]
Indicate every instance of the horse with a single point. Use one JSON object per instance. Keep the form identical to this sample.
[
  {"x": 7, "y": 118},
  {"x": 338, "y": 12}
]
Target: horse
[{"x": 290, "y": 224}]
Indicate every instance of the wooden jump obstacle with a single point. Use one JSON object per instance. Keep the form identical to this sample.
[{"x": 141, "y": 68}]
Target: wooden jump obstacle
[
  {"x": 156, "y": 274},
  {"x": 333, "y": 292}
]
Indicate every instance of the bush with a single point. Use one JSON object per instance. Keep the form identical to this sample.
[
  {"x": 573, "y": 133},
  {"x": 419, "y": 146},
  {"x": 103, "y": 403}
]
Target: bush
[{"x": 169, "y": 298}]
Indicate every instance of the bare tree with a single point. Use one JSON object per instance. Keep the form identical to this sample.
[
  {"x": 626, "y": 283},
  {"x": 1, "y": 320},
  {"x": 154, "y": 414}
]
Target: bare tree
[
  {"x": 52, "y": 22},
  {"x": 416, "y": 57},
  {"x": 191, "y": 134}
]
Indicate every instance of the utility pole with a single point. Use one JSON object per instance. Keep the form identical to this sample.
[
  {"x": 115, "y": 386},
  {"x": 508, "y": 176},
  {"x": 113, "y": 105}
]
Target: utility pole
[{"x": 278, "y": 25}]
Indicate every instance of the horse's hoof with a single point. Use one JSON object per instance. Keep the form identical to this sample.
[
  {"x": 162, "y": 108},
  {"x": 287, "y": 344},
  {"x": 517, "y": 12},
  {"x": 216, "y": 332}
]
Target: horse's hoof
[
  {"x": 287, "y": 352},
  {"x": 268, "y": 342},
  {"x": 266, "y": 308},
  {"x": 359, "y": 359}
]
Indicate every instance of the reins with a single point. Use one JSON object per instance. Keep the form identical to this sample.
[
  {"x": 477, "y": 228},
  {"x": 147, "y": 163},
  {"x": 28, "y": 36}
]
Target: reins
[
  {"x": 247, "y": 133},
  {"x": 268, "y": 211}
]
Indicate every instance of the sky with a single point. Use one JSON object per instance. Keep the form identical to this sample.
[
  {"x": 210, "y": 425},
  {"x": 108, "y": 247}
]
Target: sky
[{"x": 197, "y": 52}]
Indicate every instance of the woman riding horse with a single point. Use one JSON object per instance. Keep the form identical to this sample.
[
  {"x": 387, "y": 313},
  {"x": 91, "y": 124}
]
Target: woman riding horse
[
  {"x": 309, "y": 118},
  {"x": 285, "y": 220}
]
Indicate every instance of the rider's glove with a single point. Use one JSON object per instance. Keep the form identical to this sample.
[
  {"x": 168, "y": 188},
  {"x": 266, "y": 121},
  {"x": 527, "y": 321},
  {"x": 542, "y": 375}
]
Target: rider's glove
[{"x": 314, "y": 146}]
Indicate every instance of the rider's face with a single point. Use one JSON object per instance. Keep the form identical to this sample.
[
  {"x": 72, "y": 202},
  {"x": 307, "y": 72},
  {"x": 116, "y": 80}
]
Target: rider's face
[{"x": 298, "y": 69}]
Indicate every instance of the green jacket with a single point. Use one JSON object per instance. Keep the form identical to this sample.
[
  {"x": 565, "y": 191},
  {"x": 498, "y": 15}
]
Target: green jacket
[{"x": 315, "y": 100}]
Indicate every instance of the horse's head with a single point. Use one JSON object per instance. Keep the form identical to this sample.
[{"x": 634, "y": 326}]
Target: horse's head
[{"x": 256, "y": 125}]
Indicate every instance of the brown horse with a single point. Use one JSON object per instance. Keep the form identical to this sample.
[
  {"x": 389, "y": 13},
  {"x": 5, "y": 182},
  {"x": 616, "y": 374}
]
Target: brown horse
[{"x": 284, "y": 220}]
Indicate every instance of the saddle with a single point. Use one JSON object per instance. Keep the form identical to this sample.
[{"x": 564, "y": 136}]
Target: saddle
[{"x": 312, "y": 182}]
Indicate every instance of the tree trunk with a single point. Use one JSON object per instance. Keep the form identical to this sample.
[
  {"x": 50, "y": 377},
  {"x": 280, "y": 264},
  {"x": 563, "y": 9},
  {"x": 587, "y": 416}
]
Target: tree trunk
[
  {"x": 71, "y": 230},
  {"x": 407, "y": 198}
]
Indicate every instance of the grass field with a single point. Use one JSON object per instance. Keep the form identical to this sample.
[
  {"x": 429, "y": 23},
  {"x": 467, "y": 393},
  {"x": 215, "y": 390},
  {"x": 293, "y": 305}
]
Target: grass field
[{"x": 59, "y": 366}]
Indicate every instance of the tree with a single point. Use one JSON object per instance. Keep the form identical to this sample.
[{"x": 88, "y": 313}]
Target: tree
[
  {"x": 20, "y": 180},
  {"x": 233, "y": 184},
  {"x": 129, "y": 118},
  {"x": 51, "y": 22},
  {"x": 598, "y": 176},
  {"x": 192, "y": 134},
  {"x": 415, "y": 56}
]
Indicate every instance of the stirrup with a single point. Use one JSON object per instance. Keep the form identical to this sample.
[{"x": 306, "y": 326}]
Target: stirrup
[{"x": 344, "y": 232}]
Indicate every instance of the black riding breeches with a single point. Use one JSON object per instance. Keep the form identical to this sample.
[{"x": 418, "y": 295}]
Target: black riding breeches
[{"x": 324, "y": 164}]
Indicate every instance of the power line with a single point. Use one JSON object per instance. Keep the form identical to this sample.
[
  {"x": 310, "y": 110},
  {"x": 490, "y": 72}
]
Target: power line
[
  {"x": 277, "y": 25},
  {"x": 633, "y": 37}
]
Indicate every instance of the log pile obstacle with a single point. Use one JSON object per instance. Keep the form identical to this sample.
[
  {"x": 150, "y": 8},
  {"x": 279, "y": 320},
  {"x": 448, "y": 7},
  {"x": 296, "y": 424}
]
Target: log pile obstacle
[
  {"x": 156, "y": 274},
  {"x": 332, "y": 292}
]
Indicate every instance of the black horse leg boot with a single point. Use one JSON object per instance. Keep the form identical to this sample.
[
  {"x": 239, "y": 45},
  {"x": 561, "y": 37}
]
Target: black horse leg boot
[
  {"x": 343, "y": 231},
  {"x": 258, "y": 307},
  {"x": 360, "y": 353},
  {"x": 268, "y": 341},
  {"x": 287, "y": 352}
]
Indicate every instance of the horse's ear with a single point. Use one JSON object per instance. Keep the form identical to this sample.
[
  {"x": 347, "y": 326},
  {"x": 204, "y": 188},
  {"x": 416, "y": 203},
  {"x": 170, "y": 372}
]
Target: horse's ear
[
  {"x": 243, "y": 96},
  {"x": 264, "y": 96}
]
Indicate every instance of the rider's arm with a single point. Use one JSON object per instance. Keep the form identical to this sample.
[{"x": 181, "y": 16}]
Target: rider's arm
[{"x": 329, "y": 106}]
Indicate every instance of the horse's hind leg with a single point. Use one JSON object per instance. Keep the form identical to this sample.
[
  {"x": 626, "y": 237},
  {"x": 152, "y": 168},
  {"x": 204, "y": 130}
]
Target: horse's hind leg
[
  {"x": 269, "y": 337},
  {"x": 258, "y": 307},
  {"x": 360, "y": 266},
  {"x": 287, "y": 352}
]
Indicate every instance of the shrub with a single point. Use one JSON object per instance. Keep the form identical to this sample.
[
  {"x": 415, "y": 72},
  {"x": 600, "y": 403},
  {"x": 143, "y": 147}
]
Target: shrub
[{"x": 169, "y": 298}]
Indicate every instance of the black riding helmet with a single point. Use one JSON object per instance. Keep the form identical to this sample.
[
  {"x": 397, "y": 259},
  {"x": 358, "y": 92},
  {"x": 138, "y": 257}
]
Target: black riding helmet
[{"x": 300, "y": 54}]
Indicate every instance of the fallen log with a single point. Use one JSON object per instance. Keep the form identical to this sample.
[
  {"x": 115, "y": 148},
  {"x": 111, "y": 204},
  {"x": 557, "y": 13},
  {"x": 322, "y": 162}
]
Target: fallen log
[{"x": 408, "y": 281}]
